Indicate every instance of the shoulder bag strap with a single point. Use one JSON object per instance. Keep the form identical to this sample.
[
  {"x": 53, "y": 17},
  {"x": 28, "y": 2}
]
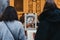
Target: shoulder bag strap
[{"x": 9, "y": 29}]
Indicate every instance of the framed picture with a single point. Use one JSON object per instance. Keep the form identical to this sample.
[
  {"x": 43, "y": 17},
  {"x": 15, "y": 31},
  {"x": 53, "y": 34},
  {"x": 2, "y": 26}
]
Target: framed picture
[{"x": 30, "y": 21}]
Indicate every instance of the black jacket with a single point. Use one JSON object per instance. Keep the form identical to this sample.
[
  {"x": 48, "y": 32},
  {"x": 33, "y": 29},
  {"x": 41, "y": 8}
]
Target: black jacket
[{"x": 49, "y": 26}]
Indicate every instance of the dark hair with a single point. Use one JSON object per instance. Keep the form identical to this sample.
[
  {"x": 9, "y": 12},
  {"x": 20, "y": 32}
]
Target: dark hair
[
  {"x": 9, "y": 14},
  {"x": 22, "y": 18}
]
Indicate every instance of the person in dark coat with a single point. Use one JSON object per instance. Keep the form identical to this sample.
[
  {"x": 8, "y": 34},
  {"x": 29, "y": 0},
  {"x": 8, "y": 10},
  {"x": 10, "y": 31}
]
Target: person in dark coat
[{"x": 49, "y": 26}]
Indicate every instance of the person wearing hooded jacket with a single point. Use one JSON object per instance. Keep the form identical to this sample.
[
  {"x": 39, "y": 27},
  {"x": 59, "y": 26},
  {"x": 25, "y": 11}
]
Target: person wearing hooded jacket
[{"x": 49, "y": 26}]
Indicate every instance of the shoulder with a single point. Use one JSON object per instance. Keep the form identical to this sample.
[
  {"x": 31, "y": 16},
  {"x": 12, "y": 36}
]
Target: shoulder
[
  {"x": 3, "y": 26},
  {"x": 2, "y": 23},
  {"x": 18, "y": 23}
]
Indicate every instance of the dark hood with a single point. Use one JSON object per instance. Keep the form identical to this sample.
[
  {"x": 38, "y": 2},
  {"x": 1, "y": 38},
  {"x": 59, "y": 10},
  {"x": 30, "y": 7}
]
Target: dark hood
[
  {"x": 50, "y": 15},
  {"x": 53, "y": 16},
  {"x": 49, "y": 6}
]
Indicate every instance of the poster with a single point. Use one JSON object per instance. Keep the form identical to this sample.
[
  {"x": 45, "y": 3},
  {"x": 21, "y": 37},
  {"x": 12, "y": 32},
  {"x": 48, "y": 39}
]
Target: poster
[{"x": 30, "y": 21}]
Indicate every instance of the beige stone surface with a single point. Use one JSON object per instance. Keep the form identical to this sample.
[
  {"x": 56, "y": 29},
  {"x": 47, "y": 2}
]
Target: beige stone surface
[{"x": 35, "y": 6}]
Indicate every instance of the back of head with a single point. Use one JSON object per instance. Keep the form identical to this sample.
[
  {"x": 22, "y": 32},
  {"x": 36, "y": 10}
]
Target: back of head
[
  {"x": 50, "y": 15},
  {"x": 9, "y": 14},
  {"x": 49, "y": 6},
  {"x": 50, "y": 18}
]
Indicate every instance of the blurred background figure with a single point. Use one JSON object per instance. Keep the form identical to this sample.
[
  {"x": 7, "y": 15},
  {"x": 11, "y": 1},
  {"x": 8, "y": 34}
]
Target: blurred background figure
[
  {"x": 22, "y": 18},
  {"x": 3, "y": 5}
]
